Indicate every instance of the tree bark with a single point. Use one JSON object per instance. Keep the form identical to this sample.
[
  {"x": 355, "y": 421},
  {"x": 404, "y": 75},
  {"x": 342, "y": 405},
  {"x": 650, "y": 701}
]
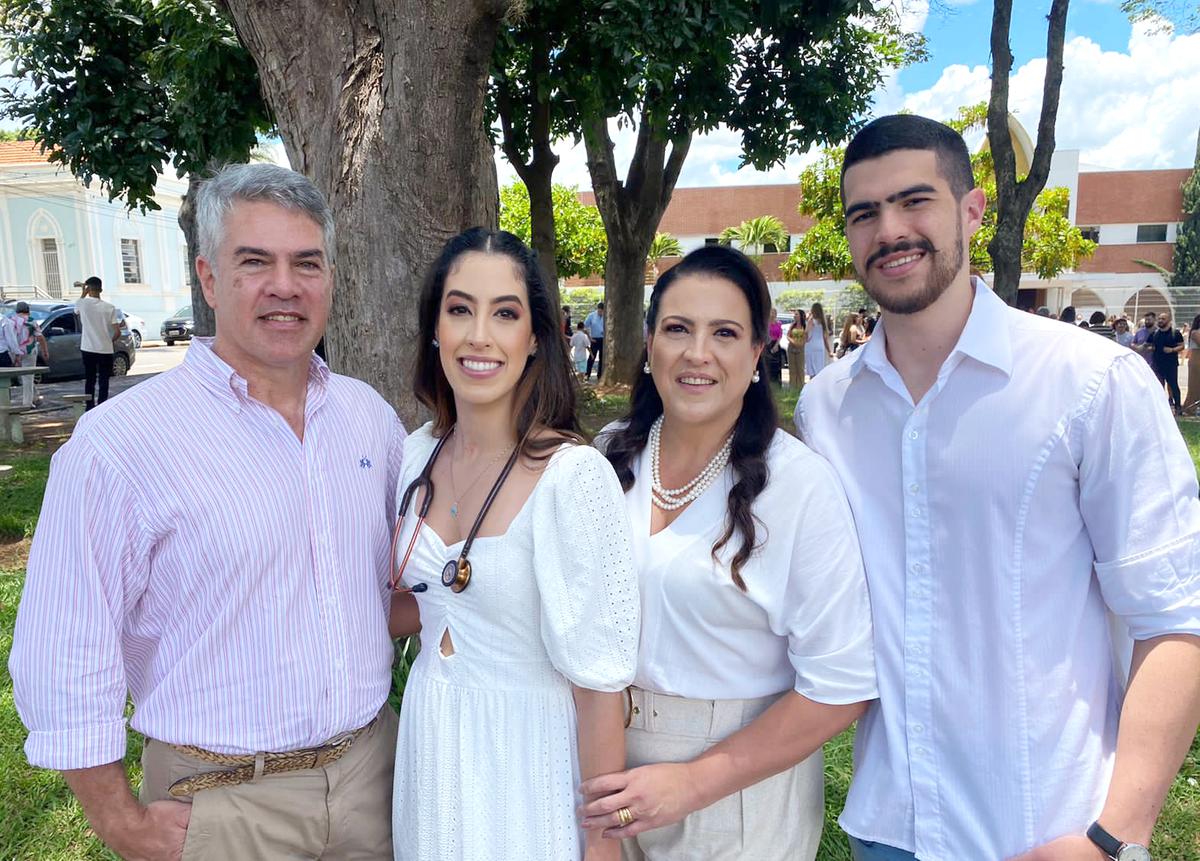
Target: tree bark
[
  {"x": 382, "y": 106},
  {"x": 631, "y": 211},
  {"x": 1014, "y": 198},
  {"x": 203, "y": 321}
]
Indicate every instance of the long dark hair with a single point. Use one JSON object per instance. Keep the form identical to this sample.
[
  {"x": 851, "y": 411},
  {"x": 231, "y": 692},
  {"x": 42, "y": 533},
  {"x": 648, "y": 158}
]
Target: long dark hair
[
  {"x": 756, "y": 423},
  {"x": 545, "y": 394}
]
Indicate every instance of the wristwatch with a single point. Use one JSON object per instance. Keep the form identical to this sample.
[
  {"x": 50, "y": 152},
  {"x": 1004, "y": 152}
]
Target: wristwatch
[{"x": 1118, "y": 850}]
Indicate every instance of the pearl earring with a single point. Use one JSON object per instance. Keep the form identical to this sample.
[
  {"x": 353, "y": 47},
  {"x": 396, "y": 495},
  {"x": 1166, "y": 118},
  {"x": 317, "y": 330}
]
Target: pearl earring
[
  {"x": 646, "y": 368},
  {"x": 755, "y": 378},
  {"x": 435, "y": 343}
]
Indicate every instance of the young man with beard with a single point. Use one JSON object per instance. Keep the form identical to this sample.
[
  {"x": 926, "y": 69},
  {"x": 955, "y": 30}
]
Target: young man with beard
[
  {"x": 1166, "y": 343},
  {"x": 1002, "y": 538}
]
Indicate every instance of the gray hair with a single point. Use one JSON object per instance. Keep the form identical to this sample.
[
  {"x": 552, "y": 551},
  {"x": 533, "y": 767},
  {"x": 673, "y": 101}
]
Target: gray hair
[{"x": 268, "y": 183}]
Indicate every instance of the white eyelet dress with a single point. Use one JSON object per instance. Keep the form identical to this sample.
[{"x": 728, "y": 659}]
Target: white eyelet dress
[{"x": 486, "y": 758}]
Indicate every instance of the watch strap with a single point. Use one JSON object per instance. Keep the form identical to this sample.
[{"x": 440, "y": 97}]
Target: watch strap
[{"x": 1108, "y": 844}]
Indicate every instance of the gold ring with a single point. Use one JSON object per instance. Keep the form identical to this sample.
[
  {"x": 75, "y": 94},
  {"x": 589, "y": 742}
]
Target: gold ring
[{"x": 625, "y": 815}]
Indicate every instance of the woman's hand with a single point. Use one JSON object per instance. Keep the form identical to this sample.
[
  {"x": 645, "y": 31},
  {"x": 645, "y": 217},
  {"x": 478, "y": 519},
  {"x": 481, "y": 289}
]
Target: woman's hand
[{"x": 655, "y": 795}]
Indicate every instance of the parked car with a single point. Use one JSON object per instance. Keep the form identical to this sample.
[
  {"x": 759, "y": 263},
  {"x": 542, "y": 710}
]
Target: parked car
[
  {"x": 60, "y": 324},
  {"x": 177, "y": 327},
  {"x": 136, "y": 326}
]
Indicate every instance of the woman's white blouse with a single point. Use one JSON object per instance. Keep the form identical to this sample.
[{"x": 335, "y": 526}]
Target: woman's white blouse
[{"x": 804, "y": 621}]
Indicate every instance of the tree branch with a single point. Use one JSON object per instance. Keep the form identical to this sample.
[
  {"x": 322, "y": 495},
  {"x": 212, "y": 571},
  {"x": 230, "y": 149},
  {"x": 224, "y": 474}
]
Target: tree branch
[
  {"x": 1003, "y": 157},
  {"x": 1039, "y": 170}
]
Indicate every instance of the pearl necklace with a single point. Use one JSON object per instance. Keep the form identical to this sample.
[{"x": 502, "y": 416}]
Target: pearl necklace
[{"x": 668, "y": 499}]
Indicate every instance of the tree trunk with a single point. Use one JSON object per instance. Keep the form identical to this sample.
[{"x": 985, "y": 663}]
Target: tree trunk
[
  {"x": 539, "y": 182},
  {"x": 382, "y": 106},
  {"x": 203, "y": 321},
  {"x": 631, "y": 211},
  {"x": 1014, "y": 198}
]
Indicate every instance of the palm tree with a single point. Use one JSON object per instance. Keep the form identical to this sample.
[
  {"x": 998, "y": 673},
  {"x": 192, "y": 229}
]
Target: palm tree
[
  {"x": 664, "y": 245},
  {"x": 756, "y": 234}
]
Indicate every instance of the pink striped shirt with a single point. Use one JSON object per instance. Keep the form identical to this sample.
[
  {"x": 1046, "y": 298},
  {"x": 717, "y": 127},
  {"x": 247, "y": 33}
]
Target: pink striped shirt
[{"x": 241, "y": 601}]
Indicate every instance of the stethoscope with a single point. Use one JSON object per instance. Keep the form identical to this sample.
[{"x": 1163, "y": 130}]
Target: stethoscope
[{"x": 457, "y": 572}]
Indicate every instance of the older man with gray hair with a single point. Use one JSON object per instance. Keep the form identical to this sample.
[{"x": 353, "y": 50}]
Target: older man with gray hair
[{"x": 242, "y": 602}]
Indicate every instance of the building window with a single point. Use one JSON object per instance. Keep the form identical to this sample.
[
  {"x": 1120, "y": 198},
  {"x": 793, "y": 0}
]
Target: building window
[
  {"x": 712, "y": 240},
  {"x": 1092, "y": 234},
  {"x": 1152, "y": 233},
  {"x": 50, "y": 265},
  {"x": 772, "y": 248},
  {"x": 131, "y": 261}
]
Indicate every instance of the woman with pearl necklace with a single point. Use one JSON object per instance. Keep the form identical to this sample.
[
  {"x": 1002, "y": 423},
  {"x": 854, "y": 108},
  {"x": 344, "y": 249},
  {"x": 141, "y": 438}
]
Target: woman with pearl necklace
[{"x": 756, "y": 632}]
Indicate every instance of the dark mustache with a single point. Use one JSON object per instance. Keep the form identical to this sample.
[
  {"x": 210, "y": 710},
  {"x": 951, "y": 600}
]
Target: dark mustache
[{"x": 919, "y": 245}]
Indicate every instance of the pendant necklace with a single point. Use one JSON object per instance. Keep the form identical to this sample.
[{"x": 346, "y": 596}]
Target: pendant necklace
[
  {"x": 457, "y": 497},
  {"x": 669, "y": 499}
]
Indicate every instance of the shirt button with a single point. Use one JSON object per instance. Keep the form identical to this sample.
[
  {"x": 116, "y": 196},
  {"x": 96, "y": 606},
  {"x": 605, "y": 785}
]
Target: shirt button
[
  {"x": 914, "y": 487},
  {"x": 918, "y": 567},
  {"x": 918, "y": 728},
  {"x": 913, "y": 434},
  {"x": 916, "y": 512},
  {"x": 920, "y": 751}
]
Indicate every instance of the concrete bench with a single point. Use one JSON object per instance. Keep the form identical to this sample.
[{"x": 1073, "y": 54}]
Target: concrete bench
[
  {"x": 10, "y": 423},
  {"x": 78, "y": 404}
]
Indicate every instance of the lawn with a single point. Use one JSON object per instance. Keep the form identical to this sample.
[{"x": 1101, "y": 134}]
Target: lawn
[{"x": 40, "y": 820}]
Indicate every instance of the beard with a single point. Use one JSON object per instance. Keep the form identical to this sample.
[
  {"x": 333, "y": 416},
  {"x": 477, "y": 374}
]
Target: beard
[{"x": 941, "y": 276}]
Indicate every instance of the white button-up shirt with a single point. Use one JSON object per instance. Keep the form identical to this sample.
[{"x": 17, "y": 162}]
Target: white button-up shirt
[
  {"x": 1039, "y": 485},
  {"x": 241, "y": 599}
]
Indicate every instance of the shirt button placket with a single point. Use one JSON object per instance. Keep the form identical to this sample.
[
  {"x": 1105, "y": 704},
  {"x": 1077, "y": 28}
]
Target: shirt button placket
[{"x": 918, "y": 627}]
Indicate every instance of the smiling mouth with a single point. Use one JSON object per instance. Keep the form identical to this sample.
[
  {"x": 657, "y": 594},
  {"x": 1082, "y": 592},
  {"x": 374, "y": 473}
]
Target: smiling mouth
[
  {"x": 697, "y": 381},
  {"x": 902, "y": 261},
  {"x": 479, "y": 366},
  {"x": 282, "y": 317}
]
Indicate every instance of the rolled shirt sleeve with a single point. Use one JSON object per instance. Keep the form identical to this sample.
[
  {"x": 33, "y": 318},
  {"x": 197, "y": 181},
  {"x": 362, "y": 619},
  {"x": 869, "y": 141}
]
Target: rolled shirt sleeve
[
  {"x": 1138, "y": 498},
  {"x": 67, "y": 666}
]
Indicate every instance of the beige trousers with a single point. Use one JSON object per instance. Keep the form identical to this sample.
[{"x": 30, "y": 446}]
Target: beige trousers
[
  {"x": 778, "y": 819},
  {"x": 342, "y": 812}
]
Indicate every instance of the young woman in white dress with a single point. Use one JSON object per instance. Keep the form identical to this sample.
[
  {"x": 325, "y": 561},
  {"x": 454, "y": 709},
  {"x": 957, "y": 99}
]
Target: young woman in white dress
[
  {"x": 756, "y": 628},
  {"x": 514, "y": 541},
  {"x": 817, "y": 350}
]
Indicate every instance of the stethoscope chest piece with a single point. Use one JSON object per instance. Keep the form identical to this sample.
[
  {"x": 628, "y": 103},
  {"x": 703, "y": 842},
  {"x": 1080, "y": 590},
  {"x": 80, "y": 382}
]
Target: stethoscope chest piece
[{"x": 457, "y": 574}]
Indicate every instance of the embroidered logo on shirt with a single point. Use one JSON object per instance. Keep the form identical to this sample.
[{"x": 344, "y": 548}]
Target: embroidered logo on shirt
[{"x": 365, "y": 463}]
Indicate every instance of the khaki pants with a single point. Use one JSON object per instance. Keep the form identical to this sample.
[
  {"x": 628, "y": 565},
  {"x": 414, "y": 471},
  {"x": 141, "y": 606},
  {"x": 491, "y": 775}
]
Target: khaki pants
[
  {"x": 777, "y": 819},
  {"x": 342, "y": 812}
]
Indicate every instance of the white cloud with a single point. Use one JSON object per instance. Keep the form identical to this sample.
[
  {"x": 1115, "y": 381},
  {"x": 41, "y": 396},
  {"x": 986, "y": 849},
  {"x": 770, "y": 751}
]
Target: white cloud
[{"x": 1136, "y": 109}]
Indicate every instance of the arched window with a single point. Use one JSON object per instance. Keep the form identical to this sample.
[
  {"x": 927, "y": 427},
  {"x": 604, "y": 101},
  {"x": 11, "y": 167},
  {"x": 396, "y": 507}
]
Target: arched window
[{"x": 46, "y": 253}]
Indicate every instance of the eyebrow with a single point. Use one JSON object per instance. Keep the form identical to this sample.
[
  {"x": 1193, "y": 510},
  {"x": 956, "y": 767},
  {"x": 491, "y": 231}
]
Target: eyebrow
[
  {"x": 922, "y": 188},
  {"x": 248, "y": 251},
  {"x": 508, "y": 297},
  {"x": 690, "y": 322}
]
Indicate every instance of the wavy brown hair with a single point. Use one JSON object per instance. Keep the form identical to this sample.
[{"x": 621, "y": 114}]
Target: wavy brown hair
[
  {"x": 756, "y": 424},
  {"x": 545, "y": 394}
]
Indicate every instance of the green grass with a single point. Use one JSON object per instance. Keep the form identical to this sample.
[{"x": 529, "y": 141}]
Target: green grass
[{"x": 40, "y": 820}]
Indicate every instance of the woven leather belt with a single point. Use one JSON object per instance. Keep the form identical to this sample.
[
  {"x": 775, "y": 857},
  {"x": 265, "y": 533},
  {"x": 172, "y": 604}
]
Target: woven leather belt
[{"x": 243, "y": 768}]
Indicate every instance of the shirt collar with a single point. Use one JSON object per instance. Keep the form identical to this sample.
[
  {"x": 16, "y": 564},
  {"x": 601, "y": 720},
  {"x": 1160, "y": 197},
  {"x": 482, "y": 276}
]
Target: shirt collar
[
  {"x": 985, "y": 337},
  {"x": 220, "y": 377}
]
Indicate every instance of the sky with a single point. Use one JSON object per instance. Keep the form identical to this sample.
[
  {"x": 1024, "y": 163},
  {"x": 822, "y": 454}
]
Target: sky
[{"x": 1130, "y": 97}]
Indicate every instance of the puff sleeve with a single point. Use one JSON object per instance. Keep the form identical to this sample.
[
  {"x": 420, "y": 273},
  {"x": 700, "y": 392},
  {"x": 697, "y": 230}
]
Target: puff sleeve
[{"x": 583, "y": 564}]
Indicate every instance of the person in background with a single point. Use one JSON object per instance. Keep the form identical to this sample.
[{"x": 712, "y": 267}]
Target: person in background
[
  {"x": 1193, "y": 369},
  {"x": 774, "y": 351},
  {"x": 817, "y": 350},
  {"x": 566, "y": 317},
  {"x": 1099, "y": 324},
  {"x": 1121, "y": 333},
  {"x": 1141, "y": 338},
  {"x": 580, "y": 344},
  {"x": 594, "y": 324},
  {"x": 101, "y": 328},
  {"x": 1068, "y": 315},
  {"x": 31, "y": 342},
  {"x": 852, "y": 335},
  {"x": 795, "y": 350},
  {"x": 1166, "y": 344}
]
